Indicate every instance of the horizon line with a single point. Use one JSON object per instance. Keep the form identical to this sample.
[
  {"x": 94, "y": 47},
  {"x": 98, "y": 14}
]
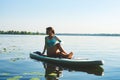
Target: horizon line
[{"x": 58, "y": 32}]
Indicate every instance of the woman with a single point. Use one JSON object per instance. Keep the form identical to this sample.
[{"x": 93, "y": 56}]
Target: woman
[{"x": 53, "y": 47}]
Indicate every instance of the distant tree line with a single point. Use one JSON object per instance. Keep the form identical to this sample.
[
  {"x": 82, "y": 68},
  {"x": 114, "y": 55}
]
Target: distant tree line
[
  {"x": 65, "y": 34},
  {"x": 20, "y": 32}
]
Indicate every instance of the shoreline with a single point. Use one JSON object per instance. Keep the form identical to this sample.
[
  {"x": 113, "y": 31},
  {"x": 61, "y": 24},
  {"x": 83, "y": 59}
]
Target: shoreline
[
  {"x": 69, "y": 34},
  {"x": 11, "y": 32}
]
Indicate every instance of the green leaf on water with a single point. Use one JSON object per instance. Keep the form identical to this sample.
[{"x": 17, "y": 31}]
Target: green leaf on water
[
  {"x": 33, "y": 73},
  {"x": 15, "y": 78},
  {"x": 5, "y": 50},
  {"x": 5, "y": 74},
  {"x": 52, "y": 74},
  {"x": 34, "y": 79}
]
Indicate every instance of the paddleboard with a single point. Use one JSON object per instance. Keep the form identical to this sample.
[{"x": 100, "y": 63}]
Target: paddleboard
[{"x": 66, "y": 62}]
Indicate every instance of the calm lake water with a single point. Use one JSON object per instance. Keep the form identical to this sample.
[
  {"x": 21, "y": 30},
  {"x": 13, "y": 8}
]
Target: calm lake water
[{"x": 15, "y": 63}]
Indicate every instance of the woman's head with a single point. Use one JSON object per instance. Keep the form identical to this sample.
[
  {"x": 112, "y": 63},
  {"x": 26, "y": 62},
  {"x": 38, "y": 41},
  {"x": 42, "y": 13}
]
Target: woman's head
[{"x": 50, "y": 30}]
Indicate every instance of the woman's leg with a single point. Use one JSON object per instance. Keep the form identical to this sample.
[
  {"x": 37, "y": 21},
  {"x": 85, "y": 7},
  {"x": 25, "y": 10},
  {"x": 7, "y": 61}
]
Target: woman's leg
[
  {"x": 63, "y": 53},
  {"x": 60, "y": 48},
  {"x": 57, "y": 51}
]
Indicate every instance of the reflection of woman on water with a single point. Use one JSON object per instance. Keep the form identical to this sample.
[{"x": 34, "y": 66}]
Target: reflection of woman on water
[{"x": 52, "y": 72}]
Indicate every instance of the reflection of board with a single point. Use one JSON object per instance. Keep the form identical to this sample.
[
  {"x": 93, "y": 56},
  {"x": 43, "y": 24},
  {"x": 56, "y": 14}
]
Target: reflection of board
[
  {"x": 66, "y": 62},
  {"x": 96, "y": 70}
]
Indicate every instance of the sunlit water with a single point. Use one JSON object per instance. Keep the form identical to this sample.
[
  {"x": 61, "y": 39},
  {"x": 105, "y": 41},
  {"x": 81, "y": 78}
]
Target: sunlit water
[{"x": 15, "y": 63}]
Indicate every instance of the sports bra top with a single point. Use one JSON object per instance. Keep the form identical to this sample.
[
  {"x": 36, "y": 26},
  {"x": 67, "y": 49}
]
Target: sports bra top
[{"x": 51, "y": 42}]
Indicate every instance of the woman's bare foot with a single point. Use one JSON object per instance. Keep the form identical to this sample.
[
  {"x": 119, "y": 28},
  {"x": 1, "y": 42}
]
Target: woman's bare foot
[{"x": 70, "y": 55}]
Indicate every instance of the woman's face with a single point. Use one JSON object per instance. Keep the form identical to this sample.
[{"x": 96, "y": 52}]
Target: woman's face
[{"x": 50, "y": 32}]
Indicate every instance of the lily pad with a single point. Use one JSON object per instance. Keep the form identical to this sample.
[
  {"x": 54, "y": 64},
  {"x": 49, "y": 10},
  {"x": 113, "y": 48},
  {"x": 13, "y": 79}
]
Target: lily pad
[
  {"x": 15, "y": 78},
  {"x": 5, "y": 74},
  {"x": 33, "y": 73},
  {"x": 52, "y": 74},
  {"x": 34, "y": 79}
]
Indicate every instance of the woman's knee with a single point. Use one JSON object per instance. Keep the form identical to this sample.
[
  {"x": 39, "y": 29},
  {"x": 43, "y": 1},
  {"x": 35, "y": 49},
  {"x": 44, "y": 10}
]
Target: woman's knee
[{"x": 58, "y": 44}]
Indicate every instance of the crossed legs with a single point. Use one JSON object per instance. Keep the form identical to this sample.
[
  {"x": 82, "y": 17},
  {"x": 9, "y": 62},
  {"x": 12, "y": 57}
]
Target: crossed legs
[
  {"x": 62, "y": 53},
  {"x": 58, "y": 51}
]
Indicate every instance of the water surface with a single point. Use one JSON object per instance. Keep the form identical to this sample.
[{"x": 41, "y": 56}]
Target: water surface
[{"x": 15, "y": 63}]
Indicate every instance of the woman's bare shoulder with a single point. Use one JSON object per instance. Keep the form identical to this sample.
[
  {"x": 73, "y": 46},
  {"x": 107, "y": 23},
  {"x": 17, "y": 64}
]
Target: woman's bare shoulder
[
  {"x": 46, "y": 37},
  {"x": 57, "y": 38}
]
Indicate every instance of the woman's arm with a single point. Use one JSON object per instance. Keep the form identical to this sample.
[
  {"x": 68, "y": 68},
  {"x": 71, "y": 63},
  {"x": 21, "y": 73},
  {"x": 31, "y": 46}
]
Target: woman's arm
[
  {"x": 44, "y": 47},
  {"x": 58, "y": 39}
]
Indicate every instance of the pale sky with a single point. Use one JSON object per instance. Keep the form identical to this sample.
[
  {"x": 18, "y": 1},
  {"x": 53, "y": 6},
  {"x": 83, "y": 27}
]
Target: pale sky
[{"x": 66, "y": 16}]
